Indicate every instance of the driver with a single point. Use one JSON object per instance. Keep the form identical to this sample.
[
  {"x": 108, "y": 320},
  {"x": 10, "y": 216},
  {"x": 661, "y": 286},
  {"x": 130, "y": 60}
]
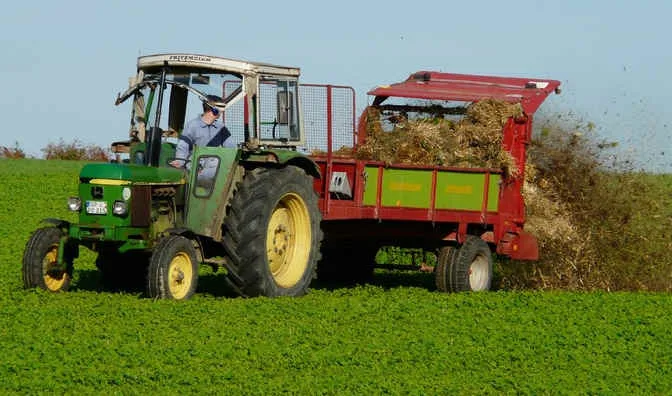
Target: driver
[{"x": 205, "y": 130}]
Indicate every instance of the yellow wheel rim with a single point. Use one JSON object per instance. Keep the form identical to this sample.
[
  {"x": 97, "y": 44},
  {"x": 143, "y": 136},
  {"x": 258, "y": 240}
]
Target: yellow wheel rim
[
  {"x": 180, "y": 275},
  {"x": 54, "y": 277},
  {"x": 288, "y": 240}
]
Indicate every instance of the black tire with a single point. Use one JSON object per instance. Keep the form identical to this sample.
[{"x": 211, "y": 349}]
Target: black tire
[
  {"x": 122, "y": 271},
  {"x": 471, "y": 266},
  {"x": 272, "y": 233},
  {"x": 346, "y": 262},
  {"x": 40, "y": 257},
  {"x": 444, "y": 264},
  {"x": 173, "y": 269}
]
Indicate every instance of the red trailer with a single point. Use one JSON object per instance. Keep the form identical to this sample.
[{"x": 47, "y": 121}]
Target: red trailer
[{"x": 463, "y": 213}]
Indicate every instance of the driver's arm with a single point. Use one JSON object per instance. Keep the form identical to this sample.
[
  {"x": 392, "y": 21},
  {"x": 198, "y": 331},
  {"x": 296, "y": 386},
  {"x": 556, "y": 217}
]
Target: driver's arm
[{"x": 182, "y": 152}]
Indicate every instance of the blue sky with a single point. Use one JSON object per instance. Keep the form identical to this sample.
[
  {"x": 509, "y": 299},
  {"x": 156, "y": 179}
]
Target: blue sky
[{"x": 64, "y": 62}]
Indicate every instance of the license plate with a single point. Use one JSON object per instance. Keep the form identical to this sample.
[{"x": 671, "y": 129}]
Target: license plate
[{"x": 96, "y": 207}]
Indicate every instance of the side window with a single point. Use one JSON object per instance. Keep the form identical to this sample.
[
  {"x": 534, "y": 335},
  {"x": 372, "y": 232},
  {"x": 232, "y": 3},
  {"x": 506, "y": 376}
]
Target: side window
[
  {"x": 206, "y": 173},
  {"x": 279, "y": 111},
  {"x": 152, "y": 104},
  {"x": 234, "y": 115}
]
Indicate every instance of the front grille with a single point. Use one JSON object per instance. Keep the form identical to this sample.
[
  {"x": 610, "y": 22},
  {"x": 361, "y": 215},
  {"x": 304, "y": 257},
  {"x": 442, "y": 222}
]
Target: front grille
[{"x": 141, "y": 206}]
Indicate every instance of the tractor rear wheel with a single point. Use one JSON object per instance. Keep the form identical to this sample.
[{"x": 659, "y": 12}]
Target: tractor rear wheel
[
  {"x": 272, "y": 233},
  {"x": 40, "y": 261},
  {"x": 173, "y": 269}
]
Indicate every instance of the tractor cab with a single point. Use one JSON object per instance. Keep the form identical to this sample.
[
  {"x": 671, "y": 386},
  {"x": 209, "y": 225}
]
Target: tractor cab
[{"x": 259, "y": 104}]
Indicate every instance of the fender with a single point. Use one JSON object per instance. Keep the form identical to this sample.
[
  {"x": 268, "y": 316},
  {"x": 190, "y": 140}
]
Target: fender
[
  {"x": 67, "y": 248},
  {"x": 58, "y": 223},
  {"x": 520, "y": 246},
  {"x": 183, "y": 231},
  {"x": 286, "y": 157},
  {"x": 306, "y": 164}
]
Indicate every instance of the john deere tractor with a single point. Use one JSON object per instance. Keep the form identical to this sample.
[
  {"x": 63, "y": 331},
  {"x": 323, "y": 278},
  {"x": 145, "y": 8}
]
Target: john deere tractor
[{"x": 250, "y": 209}]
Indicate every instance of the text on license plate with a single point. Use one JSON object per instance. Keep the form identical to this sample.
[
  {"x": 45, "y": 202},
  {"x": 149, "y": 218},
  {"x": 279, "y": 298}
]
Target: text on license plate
[{"x": 96, "y": 207}]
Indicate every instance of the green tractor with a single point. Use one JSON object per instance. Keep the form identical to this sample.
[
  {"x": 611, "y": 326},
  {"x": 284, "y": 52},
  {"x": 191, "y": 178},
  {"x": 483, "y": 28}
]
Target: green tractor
[{"x": 254, "y": 212}]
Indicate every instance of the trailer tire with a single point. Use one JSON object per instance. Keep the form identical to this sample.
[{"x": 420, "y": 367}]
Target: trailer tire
[
  {"x": 471, "y": 266},
  {"x": 272, "y": 233},
  {"x": 173, "y": 269},
  {"x": 40, "y": 257},
  {"x": 444, "y": 264}
]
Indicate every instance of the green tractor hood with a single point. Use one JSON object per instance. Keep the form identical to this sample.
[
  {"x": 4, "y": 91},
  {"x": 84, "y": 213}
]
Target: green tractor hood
[{"x": 132, "y": 173}]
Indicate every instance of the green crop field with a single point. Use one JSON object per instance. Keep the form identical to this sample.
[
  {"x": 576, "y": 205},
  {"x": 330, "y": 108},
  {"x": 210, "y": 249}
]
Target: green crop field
[{"x": 396, "y": 335}]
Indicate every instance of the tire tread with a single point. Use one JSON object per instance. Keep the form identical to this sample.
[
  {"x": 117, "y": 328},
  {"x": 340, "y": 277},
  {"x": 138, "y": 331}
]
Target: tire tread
[
  {"x": 463, "y": 258},
  {"x": 245, "y": 231}
]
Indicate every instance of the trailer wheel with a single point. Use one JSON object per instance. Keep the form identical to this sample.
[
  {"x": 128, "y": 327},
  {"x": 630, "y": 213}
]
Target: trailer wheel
[
  {"x": 444, "y": 264},
  {"x": 470, "y": 267},
  {"x": 40, "y": 261},
  {"x": 272, "y": 233},
  {"x": 173, "y": 269}
]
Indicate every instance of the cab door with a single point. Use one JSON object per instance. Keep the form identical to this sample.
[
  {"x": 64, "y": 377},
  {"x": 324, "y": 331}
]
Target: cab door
[{"x": 210, "y": 176}]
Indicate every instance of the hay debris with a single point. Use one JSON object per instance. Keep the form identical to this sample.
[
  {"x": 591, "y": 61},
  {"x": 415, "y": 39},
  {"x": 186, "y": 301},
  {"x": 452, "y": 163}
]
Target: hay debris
[
  {"x": 593, "y": 220},
  {"x": 474, "y": 141}
]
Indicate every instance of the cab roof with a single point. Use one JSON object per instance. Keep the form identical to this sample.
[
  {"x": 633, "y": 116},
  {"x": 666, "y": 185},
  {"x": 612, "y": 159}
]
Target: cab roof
[
  {"x": 215, "y": 63},
  {"x": 529, "y": 92}
]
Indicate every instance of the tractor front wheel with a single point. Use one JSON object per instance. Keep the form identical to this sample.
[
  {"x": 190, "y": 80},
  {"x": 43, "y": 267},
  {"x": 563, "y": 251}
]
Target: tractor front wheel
[
  {"x": 40, "y": 261},
  {"x": 173, "y": 269}
]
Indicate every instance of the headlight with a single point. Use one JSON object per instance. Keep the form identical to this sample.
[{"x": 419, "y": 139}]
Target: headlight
[
  {"x": 119, "y": 208},
  {"x": 74, "y": 204}
]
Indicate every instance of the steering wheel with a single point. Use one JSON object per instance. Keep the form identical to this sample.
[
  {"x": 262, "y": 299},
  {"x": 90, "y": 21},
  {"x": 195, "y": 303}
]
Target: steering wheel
[{"x": 180, "y": 163}]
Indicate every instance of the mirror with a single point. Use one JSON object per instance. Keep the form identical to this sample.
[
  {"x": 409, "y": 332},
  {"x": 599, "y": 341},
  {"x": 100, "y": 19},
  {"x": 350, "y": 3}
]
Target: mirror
[
  {"x": 200, "y": 79},
  {"x": 285, "y": 103}
]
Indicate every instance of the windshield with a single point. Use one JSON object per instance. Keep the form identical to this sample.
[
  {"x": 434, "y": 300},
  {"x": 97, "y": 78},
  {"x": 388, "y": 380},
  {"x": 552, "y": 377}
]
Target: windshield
[{"x": 183, "y": 95}]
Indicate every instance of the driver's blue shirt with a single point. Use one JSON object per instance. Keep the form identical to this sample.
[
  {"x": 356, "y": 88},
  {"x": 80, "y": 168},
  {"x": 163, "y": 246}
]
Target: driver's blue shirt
[{"x": 198, "y": 133}]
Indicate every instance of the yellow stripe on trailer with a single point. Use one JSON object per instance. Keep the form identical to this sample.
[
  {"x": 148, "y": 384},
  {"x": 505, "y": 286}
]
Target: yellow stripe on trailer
[{"x": 109, "y": 182}]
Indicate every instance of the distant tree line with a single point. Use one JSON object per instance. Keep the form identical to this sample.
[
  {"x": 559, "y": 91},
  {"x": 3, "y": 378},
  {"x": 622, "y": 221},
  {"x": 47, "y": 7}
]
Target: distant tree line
[{"x": 62, "y": 150}]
